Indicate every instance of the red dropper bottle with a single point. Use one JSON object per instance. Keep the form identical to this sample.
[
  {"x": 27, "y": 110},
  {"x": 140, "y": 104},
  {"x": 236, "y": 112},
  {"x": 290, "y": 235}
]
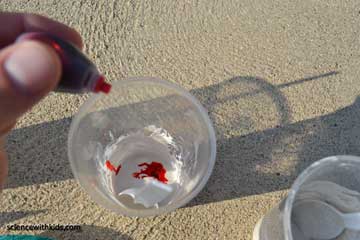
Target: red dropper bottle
[{"x": 79, "y": 74}]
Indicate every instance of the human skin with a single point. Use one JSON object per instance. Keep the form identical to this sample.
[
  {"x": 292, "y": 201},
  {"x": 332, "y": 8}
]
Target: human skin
[{"x": 29, "y": 70}]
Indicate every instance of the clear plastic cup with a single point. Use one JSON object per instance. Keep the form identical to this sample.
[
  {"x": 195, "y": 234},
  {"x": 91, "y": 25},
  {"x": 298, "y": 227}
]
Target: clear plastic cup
[
  {"x": 136, "y": 105},
  {"x": 315, "y": 183}
]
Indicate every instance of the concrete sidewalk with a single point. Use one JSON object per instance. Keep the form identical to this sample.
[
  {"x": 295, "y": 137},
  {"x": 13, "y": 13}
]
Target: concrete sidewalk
[{"x": 280, "y": 80}]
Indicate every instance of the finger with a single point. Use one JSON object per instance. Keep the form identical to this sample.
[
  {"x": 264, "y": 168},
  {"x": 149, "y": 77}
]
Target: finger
[
  {"x": 6, "y": 128},
  {"x": 13, "y": 24},
  {"x": 28, "y": 71}
]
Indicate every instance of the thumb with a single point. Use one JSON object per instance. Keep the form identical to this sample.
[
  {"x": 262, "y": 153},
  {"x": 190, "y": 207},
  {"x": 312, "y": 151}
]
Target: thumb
[{"x": 28, "y": 71}]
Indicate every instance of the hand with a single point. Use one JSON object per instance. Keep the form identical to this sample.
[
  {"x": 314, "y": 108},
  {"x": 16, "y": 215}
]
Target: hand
[{"x": 28, "y": 70}]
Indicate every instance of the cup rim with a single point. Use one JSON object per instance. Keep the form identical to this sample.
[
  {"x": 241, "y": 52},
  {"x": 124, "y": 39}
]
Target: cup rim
[
  {"x": 179, "y": 90},
  {"x": 300, "y": 180}
]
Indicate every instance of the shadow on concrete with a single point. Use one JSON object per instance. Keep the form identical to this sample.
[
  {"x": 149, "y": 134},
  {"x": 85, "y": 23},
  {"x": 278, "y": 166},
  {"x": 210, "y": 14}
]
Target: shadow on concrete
[
  {"x": 87, "y": 232},
  {"x": 270, "y": 160},
  {"x": 7, "y": 217},
  {"x": 31, "y": 161},
  {"x": 334, "y": 134},
  {"x": 248, "y": 162}
]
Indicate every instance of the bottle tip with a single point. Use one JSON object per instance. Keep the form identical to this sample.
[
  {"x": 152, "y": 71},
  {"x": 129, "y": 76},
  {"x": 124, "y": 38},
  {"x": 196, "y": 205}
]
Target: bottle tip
[{"x": 102, "y": 86}]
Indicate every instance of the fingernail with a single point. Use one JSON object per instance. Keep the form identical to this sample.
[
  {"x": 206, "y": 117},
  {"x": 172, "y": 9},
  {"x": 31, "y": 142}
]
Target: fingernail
[{"x": 32, "y": 67}]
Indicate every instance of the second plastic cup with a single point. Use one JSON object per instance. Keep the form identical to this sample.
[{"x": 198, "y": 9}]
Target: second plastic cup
[
  {"x": 333, "y": 180},
  {"x": 143, "y": 122}
]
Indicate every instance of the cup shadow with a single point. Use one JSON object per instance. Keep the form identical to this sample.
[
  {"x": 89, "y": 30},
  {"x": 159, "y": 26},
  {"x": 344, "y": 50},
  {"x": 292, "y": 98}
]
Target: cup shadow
[{"x": 270, "y": 160}]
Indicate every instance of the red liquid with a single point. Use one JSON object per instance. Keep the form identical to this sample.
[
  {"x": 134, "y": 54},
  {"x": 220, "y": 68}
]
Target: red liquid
[
  {"x": 102, "y": 86},
  {"x": 154, "y": 169},
  {"x": 112, "y": 168}
]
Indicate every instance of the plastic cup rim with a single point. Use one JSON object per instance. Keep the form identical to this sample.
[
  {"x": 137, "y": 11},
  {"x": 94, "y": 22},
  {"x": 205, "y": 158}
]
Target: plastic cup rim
[
  {"x": 313, "y": 168},
  {"x": 179, "y": 90}
]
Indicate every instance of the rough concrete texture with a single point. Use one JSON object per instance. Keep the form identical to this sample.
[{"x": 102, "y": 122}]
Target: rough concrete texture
[{"x": 280, "y": 79}]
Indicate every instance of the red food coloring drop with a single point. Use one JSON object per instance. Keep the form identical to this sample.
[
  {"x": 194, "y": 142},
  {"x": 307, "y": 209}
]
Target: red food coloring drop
[
  {"x": 112, "y": 168},
  {"x": 154, "y": 169},
  {"x": 102, "y": 86}
]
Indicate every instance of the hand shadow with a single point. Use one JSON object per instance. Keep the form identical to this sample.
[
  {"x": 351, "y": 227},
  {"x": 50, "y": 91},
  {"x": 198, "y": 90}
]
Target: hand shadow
[
  {"x": 38, "y": 154},
  {"x": 6, "y": 217},
  {"x": 87, "y": 232}
]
